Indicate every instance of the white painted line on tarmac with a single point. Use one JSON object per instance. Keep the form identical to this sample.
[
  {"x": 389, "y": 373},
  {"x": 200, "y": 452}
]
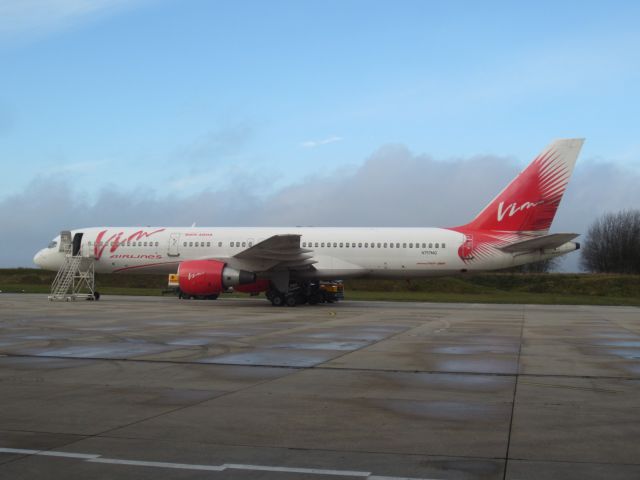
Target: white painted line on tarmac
[
  {"x": 96, "y": 458},
  {"x": 141, "y": 463},
  {"x": 313, "y": 471},
  {"x": 50, "y": 453}
]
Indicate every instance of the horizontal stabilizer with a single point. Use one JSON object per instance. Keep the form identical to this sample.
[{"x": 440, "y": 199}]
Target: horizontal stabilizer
[{"x": 544, "y": 242}]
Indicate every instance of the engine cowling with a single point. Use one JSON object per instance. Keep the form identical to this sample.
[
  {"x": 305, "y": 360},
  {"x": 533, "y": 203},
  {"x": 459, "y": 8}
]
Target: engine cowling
[{"x": 208, "y": 277}]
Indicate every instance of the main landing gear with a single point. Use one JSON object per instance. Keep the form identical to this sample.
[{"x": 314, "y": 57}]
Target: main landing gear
[{"x": 312, "y": 293}]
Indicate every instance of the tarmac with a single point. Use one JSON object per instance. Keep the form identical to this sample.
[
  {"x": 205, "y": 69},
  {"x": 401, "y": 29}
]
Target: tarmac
[{"x": 143, "y": 387}]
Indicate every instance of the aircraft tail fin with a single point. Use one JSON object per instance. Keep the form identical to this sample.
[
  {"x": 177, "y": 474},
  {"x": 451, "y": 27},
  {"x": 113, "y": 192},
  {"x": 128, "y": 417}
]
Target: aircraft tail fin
[{"x": 529, "y": 203}]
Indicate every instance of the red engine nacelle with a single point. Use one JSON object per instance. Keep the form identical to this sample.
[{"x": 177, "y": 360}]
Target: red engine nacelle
[{"x": 209, "y": 277}]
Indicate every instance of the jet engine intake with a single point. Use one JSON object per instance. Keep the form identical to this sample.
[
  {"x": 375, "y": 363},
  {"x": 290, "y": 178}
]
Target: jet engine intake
[{"x": 208, "y": 277}]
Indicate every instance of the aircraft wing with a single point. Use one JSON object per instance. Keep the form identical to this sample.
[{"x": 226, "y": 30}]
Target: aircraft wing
[
  {"x": 276, "y": 252},
  {"x": 544, "y": 242}
]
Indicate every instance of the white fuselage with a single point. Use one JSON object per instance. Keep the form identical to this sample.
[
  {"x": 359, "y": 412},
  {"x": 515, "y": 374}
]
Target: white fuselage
[{"x": 337, "y": 252}]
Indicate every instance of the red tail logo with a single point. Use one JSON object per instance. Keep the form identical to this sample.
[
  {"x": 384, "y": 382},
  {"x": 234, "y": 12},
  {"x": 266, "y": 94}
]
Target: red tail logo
[{"x": 526, "y": 206}]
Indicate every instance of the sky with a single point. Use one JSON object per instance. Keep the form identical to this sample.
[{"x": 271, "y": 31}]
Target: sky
[{"x": 345, "y": 113}]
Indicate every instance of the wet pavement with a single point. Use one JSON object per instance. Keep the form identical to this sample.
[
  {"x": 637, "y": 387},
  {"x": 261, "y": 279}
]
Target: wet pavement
[{"x": 135, "y": 387}]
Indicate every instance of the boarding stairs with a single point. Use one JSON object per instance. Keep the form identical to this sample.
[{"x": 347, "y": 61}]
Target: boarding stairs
[{"x": 76, "y": 277}]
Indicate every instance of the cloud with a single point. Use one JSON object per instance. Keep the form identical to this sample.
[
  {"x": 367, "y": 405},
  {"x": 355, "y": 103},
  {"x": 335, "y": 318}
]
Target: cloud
[
  {"x": 35, "y": 18},
  {"x": 393, "y": 187},
  {"x": 317, "y": 143}
]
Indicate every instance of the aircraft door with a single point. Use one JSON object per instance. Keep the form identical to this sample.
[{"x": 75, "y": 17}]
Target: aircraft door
[
  {"x": 174, "y": 244},
  {"x": 77, "y": 244}
]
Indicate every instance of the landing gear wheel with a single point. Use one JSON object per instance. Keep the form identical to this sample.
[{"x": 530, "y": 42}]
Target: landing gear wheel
[
  {"x": 277, "y": 300},
  {"x": 291, "y": 301},
  {"x": 96, "y": 295}
]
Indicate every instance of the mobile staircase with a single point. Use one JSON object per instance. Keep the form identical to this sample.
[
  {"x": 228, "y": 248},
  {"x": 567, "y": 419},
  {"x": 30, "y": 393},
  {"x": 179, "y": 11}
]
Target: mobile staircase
[{"x": 76, "y": 277}]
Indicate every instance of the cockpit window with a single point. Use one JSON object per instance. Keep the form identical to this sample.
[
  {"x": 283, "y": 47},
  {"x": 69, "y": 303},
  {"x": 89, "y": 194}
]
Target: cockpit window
[{"x": 53, "y": 244}]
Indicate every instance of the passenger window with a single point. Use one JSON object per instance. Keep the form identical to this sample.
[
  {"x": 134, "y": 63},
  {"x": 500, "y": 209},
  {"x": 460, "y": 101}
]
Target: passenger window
[
  {"x": 184, "y": 244},
  {"x": 397, "y": 245},
  {"x": 304, "y": 244},
  {"x": 431, "y": 245},
  {"x": 366, "y": 245},
  {"x": 197, "y": 244},
  {"x": 385, "y": 245},
  {"x": 411, "y": 245},
  {"x": 157, "y": 244},
  {"x": 219, "y": 244},
  {"x": 391, "y": 245},
  {"x": 322, "y": 244},
  {"x": 250, "y": 244},
  {"x": 359, "y": 245},
  {"x": 346, "y": 244},
  {"x": 437, "y": 245},
  {"x": 443, "y": 246},
  {"x": 341, "y": 244},
  {"x": 244, "y": 244},
  {"x": 208, "y": 244},
  {"x": 379, "y": 245},
  {"x": 335, "y": 245},
  {"x": 316, "y": 244},
  {"x": 424, "y": 245},
  {"x": 191, "y": 244}
]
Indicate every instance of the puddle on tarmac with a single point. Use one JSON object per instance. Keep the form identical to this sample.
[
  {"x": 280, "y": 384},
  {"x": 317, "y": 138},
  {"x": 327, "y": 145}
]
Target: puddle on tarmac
[
  {"x": 474, "y": 349},
  {"x": 626, "y": 353},
  {"x": 479, "y": 365},
  {"x": 189, "y": 342},
  {"x": 323, "y": 346},
  {"x": 615, "y": 335},
  {"x": 467, "y": 383},
  {"x": 620, "y": 343},
  {"x": 103, "y": 350},
  {"x": 272, "y": 357}
]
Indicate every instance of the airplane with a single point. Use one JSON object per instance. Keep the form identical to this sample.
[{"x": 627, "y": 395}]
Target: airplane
[{"x": 512, "y": 230}]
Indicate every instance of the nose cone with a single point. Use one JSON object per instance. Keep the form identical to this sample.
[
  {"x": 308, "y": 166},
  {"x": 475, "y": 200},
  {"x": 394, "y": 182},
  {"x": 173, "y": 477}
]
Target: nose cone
[{"x": 39, "y": 258}]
